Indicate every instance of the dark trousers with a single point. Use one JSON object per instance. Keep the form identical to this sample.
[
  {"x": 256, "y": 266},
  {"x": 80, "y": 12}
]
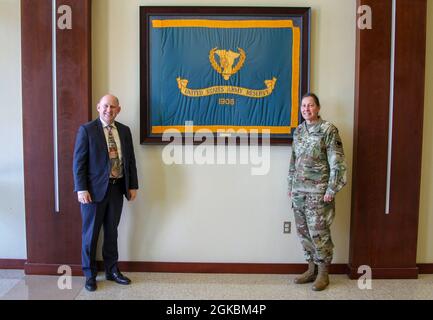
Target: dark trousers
[{"x": 94, "y": 215}]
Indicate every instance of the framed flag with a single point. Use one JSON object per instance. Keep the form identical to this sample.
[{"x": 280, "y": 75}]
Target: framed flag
[{"x": 222, "y": 72}]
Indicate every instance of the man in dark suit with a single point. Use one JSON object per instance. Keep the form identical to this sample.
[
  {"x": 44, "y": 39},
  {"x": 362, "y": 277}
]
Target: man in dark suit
[{"x": 104, "y": 171}]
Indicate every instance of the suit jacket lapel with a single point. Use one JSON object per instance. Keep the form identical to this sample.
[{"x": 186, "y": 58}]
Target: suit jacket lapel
[
  {"x": 122, "y": 139},
  {"x": 101, "y": 135}
]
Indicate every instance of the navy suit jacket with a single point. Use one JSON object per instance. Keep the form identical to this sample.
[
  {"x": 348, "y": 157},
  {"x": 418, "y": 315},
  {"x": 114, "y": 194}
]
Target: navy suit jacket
[{"x": 91, "y": 164}]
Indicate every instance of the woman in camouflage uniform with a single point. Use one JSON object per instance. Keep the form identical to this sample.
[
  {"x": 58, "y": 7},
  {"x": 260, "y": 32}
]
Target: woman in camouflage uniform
[{"x": 317, "y": 172}]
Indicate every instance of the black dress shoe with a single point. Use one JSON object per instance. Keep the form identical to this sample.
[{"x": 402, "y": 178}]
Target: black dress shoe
[
  {"x": 90, "y": 284},
  {"x": 117, "y": 277}
]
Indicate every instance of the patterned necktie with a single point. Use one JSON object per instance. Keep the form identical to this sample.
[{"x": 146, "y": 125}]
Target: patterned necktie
[{"x": 113, "y": 154}]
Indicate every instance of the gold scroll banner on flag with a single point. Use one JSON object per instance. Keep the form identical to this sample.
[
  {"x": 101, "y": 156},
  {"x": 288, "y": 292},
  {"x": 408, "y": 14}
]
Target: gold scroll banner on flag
[{"x": 204, "y": 92}]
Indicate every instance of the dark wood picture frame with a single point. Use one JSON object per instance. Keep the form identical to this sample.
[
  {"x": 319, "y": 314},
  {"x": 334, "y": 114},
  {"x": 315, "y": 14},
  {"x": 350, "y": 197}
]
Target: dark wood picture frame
[{"x": 146, "y": 12}]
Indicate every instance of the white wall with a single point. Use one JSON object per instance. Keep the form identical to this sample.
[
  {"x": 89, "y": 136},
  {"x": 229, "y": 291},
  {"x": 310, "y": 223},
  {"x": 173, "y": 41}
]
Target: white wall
[
  {"x": 425, "y": 231},
  {"x": 12, "y": 217},
  {"x": 221, "y": 213}
]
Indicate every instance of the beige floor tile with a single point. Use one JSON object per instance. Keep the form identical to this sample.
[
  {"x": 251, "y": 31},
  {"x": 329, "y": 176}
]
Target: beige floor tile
[
  {"x": 181, "y": 286},
  {"x": 11, "y": 274},
  {"x": 6, "y": 285},
  {"x": 43, "y": 288},
  {"x": 174, "y": 286}
]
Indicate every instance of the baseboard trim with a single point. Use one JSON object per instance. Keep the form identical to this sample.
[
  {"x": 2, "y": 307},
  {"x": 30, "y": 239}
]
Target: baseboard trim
[
  {"x": 198, "y": 267},
  {"x": 386, "y": 273},
  {"x": 12, "y": 263},
  {"x": 50, "y": 269},
  {"x": 193, "y": 267},
  {"x": 187, "y": 267},
  {"x": 425, "y": 268}
]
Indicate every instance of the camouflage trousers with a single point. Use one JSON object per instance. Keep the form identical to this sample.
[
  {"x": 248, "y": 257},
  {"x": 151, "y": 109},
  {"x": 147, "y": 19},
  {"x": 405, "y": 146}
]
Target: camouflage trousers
[{"x": 313, "y": 219}]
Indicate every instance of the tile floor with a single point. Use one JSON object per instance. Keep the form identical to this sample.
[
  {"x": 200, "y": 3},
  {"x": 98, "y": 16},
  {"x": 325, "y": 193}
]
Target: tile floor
[{"x": 14, "y": 284}]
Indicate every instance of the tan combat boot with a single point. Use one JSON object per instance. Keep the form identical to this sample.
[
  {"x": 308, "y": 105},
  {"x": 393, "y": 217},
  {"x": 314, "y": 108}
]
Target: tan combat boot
[
  {"x": 322, "y": 279},
  {"x": 309, "y": 275}
]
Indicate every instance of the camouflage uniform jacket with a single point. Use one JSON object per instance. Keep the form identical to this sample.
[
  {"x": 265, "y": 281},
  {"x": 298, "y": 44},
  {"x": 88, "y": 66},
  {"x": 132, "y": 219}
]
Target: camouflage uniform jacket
[{"x": 317, "y": 164}]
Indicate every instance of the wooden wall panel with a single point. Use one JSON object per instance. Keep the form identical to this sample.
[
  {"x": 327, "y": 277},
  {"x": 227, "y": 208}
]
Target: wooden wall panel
[
  {"x": 37, "y": 124},
  {"x": 53, "y": 238},
  {"x": 370, "y": 133},
  {"x": 387, "y": 243},
  {"x": 74, "y": 109},
  {"x": 407, "y": 132}
]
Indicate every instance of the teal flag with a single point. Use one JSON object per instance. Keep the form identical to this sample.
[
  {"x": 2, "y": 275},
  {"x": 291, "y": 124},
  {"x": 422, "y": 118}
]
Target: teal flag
[{"x": 224, "y": 73}]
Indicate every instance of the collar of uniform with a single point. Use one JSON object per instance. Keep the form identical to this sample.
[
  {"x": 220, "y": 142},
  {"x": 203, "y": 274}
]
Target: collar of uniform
[
  {"x": 315, "y": 127},
  {"x": 104, "y": 124}
]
